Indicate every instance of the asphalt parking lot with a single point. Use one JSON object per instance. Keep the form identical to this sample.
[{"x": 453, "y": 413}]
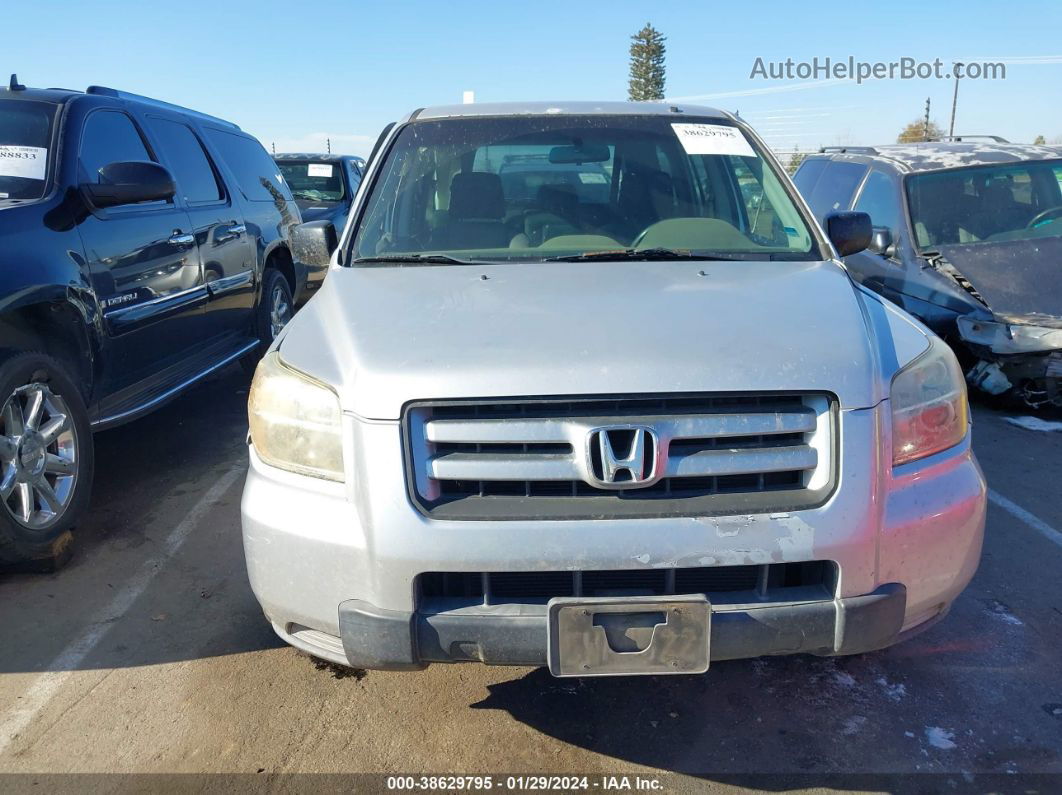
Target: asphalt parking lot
[{"x": 148, "y": 653}]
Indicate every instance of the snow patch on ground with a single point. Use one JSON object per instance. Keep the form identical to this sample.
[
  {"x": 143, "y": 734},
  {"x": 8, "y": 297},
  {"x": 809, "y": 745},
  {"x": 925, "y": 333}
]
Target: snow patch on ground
[
  {"x": 893, "y": 691},
  {"x": 999, "y": 610},
  {"x": 844, "y": 679},
  {"x": 853, "y": 725},
  {"x": 940, "y": 738},
  {"x": 1034, "y": 423}
]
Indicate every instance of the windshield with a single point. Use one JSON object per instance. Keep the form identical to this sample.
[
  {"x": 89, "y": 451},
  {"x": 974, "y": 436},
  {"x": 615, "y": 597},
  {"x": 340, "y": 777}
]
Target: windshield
[
  {"x": 315, "y": 182},
  {"x": 25, "y": 138},
  {"x": 986, "y": 204},
  {"x": 533, "y": 188}
]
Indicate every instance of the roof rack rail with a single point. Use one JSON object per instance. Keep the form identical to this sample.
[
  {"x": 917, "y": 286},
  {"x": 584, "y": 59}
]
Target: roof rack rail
[
  {"x": 103, "y": 91},
  {"x": 855, "y": 150},
  {"x": 960, "y": 138}
]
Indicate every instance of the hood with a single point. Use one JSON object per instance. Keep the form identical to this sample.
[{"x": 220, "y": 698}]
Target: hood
[
  {"x": 317, "y": 211},
  {"x": 396, "y": 334},
  {"x": 1017, "y": 277}
]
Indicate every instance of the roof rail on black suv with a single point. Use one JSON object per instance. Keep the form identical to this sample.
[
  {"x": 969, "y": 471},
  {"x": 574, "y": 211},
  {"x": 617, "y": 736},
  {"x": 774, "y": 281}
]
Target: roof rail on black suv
[{"x": 142, "y": 246}]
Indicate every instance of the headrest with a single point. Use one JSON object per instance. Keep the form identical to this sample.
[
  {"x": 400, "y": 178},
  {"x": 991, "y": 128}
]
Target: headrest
[
  {"x": 557, "y": 198},
  {"x": 998, "y": 192},
  {"x": 476, "y": 194}
]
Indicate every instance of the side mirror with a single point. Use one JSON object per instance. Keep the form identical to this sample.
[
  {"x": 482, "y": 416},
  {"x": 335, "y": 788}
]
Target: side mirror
[
  {"x": 849, "y": 232},
  {"x": 881, "y": 242},
  {"x": 129, "y": 183},
  {"x": 313, "y": 242}
]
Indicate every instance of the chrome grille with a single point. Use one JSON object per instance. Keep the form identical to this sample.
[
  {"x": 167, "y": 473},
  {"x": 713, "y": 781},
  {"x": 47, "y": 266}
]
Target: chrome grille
[{"x": 538, "y": 459}]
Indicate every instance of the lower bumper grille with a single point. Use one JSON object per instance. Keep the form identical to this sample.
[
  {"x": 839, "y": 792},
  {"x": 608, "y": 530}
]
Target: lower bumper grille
[{"x": 531, "y": 587}]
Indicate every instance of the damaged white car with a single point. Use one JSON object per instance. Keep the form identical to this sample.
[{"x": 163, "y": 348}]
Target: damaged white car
[
  {"x": 968, "y": 238},
  {"x": 588, "y": 387}
]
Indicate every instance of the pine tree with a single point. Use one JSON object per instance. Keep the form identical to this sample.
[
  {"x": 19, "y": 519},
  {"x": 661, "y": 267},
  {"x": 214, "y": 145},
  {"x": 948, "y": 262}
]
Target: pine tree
[{"x": 647, "y": 65}]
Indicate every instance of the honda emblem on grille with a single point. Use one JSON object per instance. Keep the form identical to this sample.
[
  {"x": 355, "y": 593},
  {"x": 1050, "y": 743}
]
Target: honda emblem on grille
[{"x": 622, "y": 457}]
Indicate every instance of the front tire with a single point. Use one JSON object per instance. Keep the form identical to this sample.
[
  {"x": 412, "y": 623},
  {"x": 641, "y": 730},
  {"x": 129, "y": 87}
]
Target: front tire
[
  {"x": 46, "y": 458},
  {"x": 275, "y": 310}
]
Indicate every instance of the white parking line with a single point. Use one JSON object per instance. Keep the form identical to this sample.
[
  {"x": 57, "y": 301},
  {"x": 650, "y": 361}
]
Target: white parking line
[
  {"x": 46, "y": 685},
  {"x": 1034, "y": 521}
]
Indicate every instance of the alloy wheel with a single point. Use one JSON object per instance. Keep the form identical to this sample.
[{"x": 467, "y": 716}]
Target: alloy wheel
[
  {"x": 38, "y": 456},
  {"x": 279, "y": 310}
]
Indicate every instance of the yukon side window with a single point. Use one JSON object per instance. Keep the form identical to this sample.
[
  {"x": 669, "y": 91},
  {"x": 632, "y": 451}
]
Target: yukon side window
[
  {"x": 878, "y": 199},
  {"x": 109, "y": 137},
  {"x": 257, "y": 174},
  {"x": 191, "y": 169}
]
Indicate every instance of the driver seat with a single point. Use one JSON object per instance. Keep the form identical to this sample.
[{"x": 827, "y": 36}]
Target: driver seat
[{"x": 477, "y": 206}]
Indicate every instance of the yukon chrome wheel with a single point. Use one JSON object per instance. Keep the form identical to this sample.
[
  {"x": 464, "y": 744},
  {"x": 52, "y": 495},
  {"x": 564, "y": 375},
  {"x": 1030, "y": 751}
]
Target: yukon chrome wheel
[
  {"x": 38, "y": 456},
  {"x": 279, "y": 308}
]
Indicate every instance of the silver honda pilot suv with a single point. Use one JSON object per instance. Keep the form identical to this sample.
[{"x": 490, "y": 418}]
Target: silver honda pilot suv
[{"x": 588, "y": 387}]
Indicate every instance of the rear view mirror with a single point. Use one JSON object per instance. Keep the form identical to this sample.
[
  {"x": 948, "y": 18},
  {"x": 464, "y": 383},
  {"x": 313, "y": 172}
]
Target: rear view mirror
[
  {"x": 129, "y": 182},
  {"x": 587, "y": 153},
  {"x": 313, "y": 242},
  {"x": 850, "y": 233},
  {"x": 881, "y": 242}
]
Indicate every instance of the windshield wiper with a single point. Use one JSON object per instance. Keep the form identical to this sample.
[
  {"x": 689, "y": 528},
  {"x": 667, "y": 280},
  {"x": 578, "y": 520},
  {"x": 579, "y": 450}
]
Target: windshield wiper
[
  {"x": 421, "y": 259},
  {"x": 641, "y": 254}
]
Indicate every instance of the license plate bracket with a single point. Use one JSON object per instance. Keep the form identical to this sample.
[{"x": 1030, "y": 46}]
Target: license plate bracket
[{"x": 628, "y": 635}]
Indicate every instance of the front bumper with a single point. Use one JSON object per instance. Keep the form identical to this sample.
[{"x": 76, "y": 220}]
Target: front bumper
[
  {"x": 334, "y": 566},
  {"x": 394, "y": 640}
]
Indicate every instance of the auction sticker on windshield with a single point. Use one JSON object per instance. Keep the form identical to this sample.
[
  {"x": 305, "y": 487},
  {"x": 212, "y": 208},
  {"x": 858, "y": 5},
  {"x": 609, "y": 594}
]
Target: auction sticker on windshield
[
  {"x": 28, "y": 162},
  {"x": 713, "y": 139},
  {"x": 318, "y": 170}
]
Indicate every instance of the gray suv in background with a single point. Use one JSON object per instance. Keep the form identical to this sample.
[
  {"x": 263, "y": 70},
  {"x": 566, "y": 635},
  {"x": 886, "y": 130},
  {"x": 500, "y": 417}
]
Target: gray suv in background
[
  {"x": 968, "y": 238},
  {"x": 665, "y": 428}
]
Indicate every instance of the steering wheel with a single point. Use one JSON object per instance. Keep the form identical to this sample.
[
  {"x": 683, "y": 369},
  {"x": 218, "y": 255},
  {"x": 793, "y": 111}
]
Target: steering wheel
[
  {"x": 1043, "y": 215},
  {"x": 638, "y": 238}
]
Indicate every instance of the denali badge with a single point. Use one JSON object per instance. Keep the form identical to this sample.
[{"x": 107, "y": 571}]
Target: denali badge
[{"x": 622, "y": 457}]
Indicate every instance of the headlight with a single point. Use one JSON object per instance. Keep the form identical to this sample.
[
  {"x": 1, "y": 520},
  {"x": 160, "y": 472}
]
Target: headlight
[
  {"x": 1005, "y": 337},
  {"x": 928, "y": 399},
  {"x": 295, "y": 421}
]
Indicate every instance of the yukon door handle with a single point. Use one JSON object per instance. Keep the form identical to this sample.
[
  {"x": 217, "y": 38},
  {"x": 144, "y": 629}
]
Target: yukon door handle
[
  {"x": 239, "y": 229},
  {"x": 181, "y": 239}
]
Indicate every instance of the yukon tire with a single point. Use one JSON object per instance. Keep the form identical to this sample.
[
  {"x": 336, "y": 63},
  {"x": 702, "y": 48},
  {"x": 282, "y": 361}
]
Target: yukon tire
[
  {"x": 46, "y": 461},
  {"x": 275, "y": 309}
]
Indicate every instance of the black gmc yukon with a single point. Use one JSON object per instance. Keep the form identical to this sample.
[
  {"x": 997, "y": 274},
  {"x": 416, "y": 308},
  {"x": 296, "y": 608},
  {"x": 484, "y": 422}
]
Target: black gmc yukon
[{"x": 142, "y": 246}]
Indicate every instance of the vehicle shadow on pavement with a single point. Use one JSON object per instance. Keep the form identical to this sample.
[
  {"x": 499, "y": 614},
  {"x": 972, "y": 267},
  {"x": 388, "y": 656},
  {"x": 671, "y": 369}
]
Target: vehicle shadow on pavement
[
  {"x": 979, "y": 693},
  {"x": 150, "y": 475},
  {"x": 931, "y": 705}
]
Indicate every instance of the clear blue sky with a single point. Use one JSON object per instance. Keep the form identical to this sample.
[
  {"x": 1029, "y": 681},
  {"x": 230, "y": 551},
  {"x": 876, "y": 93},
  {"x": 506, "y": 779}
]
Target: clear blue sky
[{"x": 295, "y": 73}]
